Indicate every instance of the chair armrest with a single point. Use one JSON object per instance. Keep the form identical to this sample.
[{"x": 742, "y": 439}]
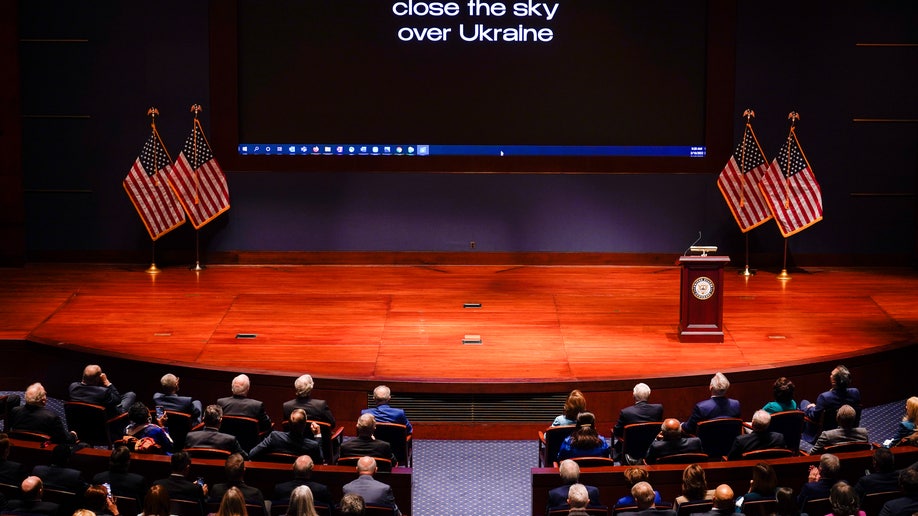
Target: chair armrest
[{"x": 337, "y": 434}]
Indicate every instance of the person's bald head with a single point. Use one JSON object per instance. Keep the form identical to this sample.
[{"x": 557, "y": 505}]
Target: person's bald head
[
  {"x": 92, "y": 375},
  {"x": 723, "y": 498},
  {"x": 366, "y": 465},
  {"x": 643, "y": 495},
  {"x": 672, "y": 429},
  {"x": 298, "y": 421},
  {"x": 31, "y": 488},
  {"x": 302, "y": 466}
]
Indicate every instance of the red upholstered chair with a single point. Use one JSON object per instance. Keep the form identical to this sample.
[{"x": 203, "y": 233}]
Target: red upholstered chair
[
  {"x": 717, "y": 435},
  {"x": 550, "y": 441},
  {"x": 636, "y": 439}
]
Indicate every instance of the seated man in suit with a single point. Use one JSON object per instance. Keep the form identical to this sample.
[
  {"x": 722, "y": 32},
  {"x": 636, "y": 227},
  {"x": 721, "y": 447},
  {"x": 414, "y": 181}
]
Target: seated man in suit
[
  {"x": 235, "y": 473},
  {"x": 884, "y": 476},
  {"x": 302, "y": 471},
  {"x": 373, "y": 491},
  {"x": 58, "y": 475},
  {"x": 10, "y": 471},
  {"x": 759, "y": 439},
  {"x": 211, "y": 436},
  {"x": 840, "y": 393},
  {"x": 169, "y": 399},
  {"x": 303, "y": 438},
  {"x": 570, "y": 475},
  {"x": 671, "y": 442},
  {"x": 122, "y": 482},
  {"x": 643, "y": 494},
  {"x": 96, "y": 388},
  {"x": 316, "y": 410},
  {"x": 385, "y": 413},
  {"x": 177, "y": 483},
  {"x": 715, "y": 407},
  {"x": 577, "y": 500},
  {"x": 365, "y": 443},
  {"x": 905, "y": 505},
  {"x": 724, "y": 503},
  {"x": 640, "y": 412},
  {"x": 820, "y": 480},
  {"x": 34, "y": 417},
  {"x": 845, "y": 433},
  {"x": 239, "y": 404},
  {"x": 31, "y": 502}
]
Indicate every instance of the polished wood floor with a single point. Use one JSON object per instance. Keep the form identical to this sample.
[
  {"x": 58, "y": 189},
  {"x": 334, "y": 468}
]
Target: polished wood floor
[{"x": 407, "y": 323}]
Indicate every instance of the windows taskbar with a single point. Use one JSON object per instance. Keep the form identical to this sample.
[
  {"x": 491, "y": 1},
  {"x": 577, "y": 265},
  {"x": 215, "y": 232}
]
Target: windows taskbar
[{"x": 300, "y": 149}]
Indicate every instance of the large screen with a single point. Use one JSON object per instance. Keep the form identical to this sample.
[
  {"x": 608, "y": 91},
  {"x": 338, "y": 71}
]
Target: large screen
[{"x": 472, "y": 85}]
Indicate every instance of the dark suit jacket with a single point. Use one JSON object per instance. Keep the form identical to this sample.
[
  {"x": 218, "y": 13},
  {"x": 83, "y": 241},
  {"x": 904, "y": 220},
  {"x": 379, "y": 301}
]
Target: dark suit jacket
[
  {"x": 251, "y": 494},
  {"x": 877, "y": 483},
  {"x": 755, "y": 441},
  {"x": 246, "y": 407},
  {"x": 640, "y": 412},
  {"x": 31, "y": 507},
  {"x": 814, "y": 490},
  {"x": 123, "y": 484},
  {"x": 320, "y": 492},
  {"x": 838, "y": 436},
  {"x": 34, "y": 418},
  {"x": 180, "y": 488},
  {"x": 905, "y": 506},
  {"x": 316, "y": 410},
  {"x": 286, "y": 442},
  {"x": 178, "y": 403},
  {"x": 832, "y": 399},
  {"x": 557, "y": 497},
  {"x": 212, "y": 438},
  {"x": 364, "y": 446},
  {"x": 663, "y": 448},
  {"x": 373, "y": 491},
  {"x": 712, "y": 408},
  {"x": 11, "y": 472},
  {"x": 60, "y": 478},
  {"x": 109, "y": 397}
]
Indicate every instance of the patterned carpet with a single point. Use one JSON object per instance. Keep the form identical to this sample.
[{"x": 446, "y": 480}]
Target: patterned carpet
[{"x": 474, "y": 478}]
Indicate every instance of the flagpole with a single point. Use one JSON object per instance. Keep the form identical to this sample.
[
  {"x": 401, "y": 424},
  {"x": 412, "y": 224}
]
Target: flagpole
[
  {"x": 793, "y": 116},
  {"x": 196, "y": 108},
  {"x": 784, "y": 276},
  {"x": 153, "y": 269},
  {"x": 749, "y": 114}
]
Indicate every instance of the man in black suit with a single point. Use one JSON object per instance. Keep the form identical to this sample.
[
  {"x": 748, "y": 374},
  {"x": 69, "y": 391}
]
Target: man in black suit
[
  {"x": 759, "y": 439},
  {"x": 296, "y": 441},
  {"x": 640, "y": 412},
  {"x": 884, "y": 476},
  {"x": 10, "y": 471},
  {"x": 644, "y": 495},
  {"x": 723, "y": 502},
  {"x": 908, "y": 504},
  {"x": 123, "y": 482},
  {"x": 671, "y": 442},
  {"x": 169, "y": 399},
  {"x": 177, "y": 483},
  {"x": 235, "y": 473},
  {"x": 239, "y": 404},
  {"x": 716, "y": 407},
  {"x": 34, "y": 417},
  {"x": 302, "y": 471},
  {"x": 316, "y": 410},
  {"x": 211, "y": 436},
  {"x": 96, "y": 388},
  {"x": 31, "y": 502},
  {"x": 365, "y": 444},
  {"x": 570, "y": 475},
  {"x": 57, "y": 475}
]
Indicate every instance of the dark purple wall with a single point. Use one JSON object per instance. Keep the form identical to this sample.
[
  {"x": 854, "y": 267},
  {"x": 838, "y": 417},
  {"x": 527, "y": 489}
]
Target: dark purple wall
[{"x": 789, "y": 57}]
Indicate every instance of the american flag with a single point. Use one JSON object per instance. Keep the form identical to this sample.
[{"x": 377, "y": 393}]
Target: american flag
[
  {"x": 198, "y": 179},
  {"x": 791, "y": 189},
  {"x": 739, "y": 183},
  {"x": 149, "y": 191}
]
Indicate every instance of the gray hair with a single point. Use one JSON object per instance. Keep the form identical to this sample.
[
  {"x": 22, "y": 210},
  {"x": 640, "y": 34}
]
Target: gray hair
[
  {"x": 569, "y": 471},
  {"x": 241, "y": 385},
  {"x": 719, "y": 384},
  {"x": 577, "y": 496},
  {"x": 760, "y": 420},
  {"x": 303, "y": 385},
  {"x": 641, "y": 392}
]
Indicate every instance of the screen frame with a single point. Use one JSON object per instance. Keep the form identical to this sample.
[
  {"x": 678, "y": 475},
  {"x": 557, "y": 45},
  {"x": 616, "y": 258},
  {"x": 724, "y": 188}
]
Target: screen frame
[{"x": 719, "y": 119}]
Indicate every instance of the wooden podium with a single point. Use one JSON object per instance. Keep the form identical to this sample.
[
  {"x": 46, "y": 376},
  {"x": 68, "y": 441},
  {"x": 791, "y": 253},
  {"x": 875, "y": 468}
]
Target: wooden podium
[{"x": 701, "y": 298}]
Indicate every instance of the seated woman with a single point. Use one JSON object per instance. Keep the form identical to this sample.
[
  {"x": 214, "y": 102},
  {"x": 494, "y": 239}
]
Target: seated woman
[
  {"x": 633, "y": 476},
  {"x": 575, "y": 404},
  {"x": 762, "y": 486},
  {"x": 694, "y": 486},
  {"x": 907, "y": 426},
  {"x": 844, "y": 500},
  {"x": 784, "y": 397},
  {"x": 96, "y": 498},
  {"x": 141, "y": 426},
  {"x": 584, "y": 441}
]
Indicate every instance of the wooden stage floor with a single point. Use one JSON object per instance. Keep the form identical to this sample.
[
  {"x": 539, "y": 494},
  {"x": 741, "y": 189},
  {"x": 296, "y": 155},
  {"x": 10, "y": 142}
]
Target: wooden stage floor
[{"x": 406, "y": 323}]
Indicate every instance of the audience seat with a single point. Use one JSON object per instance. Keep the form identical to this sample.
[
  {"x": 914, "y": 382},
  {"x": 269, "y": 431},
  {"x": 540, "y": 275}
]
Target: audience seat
[
  {"x": 178, "y": 507},
  {"x": 592, "y": 510},
  {"x": 817, "y": 506},
  {"x": 331, "y": 441},
  {"x": 398, "y": 438},
  {"x": 24, "y": 435},
  {"x": 826, "y": 420},
  {"x": 67, "y": 501},
  {"x": 717, "y": 435},
  {"x": 767, "y": 453},
  {"x": 695, "y": 506},
  {"x": 550, "y": 441},
  {"x": 683, "y": 458},
  {"x": 245, "y": 429},
  {"x": 788, "y": 423},
  {"x": 128, "y": 505},
  {"x": 593, "y": 462},
  {"x": 873, "y": 502},
  {"x": 92, "y": 424},
  {"x": 10, "y": 491},
  {"x": 760, "y": 507},
  {"x": 279, "y": 457},
  {"x": 207, "y": 453},
  {"x": 848, "y": 447},
  {"x": 178, "y": 424},
  {"x": 636, "y": 439},
  {"x": 378, "y": 510}
]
